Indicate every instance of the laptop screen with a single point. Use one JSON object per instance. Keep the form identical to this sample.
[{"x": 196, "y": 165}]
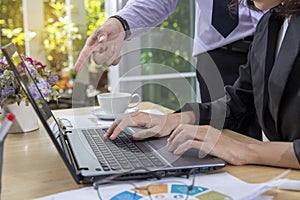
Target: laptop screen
[{"x": 30, "y": 86}]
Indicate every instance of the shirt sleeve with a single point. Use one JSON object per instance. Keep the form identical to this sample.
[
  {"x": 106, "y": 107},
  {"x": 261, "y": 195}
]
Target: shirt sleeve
[{"x": 141, "y": 14}]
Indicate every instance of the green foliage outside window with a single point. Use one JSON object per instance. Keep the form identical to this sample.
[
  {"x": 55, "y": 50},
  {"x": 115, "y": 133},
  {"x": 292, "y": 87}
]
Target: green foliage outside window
[
  {"x": 11, "y": 23},
  {"x": 179, "y": 21},
  {"x": 58, "y": 32},
  {"x": 182, "y": 20},
  {"x": 95, "y": 15}
]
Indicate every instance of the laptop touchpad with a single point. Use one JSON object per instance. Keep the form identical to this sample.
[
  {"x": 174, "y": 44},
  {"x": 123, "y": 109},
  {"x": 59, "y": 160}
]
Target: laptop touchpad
[{"x": 189, "y": 158}]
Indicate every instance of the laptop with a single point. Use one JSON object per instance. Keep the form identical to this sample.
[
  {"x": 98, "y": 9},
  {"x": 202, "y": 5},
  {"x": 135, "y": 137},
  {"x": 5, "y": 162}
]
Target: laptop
[{"x": 90, "y": 158}]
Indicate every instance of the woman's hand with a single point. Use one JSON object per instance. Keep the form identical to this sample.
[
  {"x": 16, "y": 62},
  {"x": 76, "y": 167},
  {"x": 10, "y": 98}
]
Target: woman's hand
[
  {"x": 236, "y": 152},
  {"x": 209, "y": 141},
  {"x": 105, "y": 44},
  {"x": 155, "y": 125}
]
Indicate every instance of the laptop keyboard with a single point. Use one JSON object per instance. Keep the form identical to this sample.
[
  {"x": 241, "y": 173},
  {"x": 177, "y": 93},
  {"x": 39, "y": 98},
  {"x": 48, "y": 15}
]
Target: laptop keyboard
[{"x": 121, "y": 153}]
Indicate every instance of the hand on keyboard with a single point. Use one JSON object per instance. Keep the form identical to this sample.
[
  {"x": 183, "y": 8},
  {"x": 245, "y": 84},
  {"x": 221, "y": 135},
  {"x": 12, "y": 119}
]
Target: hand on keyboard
[{"x": 155, "y": 125}]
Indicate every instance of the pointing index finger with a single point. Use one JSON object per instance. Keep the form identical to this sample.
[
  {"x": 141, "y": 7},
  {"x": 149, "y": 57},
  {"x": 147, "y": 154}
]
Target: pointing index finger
[{"x": 87, "y": 51}]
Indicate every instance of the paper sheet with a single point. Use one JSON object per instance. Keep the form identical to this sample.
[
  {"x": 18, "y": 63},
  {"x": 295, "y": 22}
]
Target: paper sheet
[{"x": 218, "y": 186}]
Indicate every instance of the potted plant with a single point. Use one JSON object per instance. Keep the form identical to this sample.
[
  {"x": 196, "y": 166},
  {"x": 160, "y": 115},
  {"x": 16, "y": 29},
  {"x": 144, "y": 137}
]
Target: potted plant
[{"x": 14, "y": 99}]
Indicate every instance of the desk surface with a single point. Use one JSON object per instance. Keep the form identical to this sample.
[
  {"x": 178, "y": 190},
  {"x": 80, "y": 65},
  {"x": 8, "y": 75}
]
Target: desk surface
[{"x": 32, "y": 167}]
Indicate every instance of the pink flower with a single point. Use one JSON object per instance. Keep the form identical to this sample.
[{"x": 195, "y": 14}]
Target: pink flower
[
  {"x": 40, "y": 64},
  {"x": 30, "y": 60}
]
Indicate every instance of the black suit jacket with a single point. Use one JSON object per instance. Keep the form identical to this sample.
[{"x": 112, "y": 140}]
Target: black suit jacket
[{"x": 268, "y": 87}]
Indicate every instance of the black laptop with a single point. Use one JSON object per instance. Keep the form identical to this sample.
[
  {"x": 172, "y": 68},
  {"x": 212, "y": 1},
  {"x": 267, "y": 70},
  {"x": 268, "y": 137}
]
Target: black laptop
[{"x": 89, "y": 158}]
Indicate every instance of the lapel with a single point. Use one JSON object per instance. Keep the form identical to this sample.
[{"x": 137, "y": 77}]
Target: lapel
[
  {"x": 274, "y": 25},
  {"x": 283, "y": 65},
  {"x": 257, "y": 61}
]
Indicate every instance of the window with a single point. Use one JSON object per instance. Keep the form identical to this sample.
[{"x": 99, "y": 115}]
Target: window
[{"x": 159, "y": 65}]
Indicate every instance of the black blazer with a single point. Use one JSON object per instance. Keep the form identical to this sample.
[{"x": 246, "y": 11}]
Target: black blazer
[{"x": 268, "y": 87}]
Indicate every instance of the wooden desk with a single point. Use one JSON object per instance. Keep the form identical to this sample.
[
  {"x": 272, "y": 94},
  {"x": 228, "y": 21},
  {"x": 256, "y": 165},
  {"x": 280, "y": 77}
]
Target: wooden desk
[{"x": 32, "y": 167}]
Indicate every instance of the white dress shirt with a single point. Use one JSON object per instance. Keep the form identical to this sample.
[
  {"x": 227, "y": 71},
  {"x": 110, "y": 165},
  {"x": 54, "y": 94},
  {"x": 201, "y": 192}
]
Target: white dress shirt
[{"x": 150, "y": 13}]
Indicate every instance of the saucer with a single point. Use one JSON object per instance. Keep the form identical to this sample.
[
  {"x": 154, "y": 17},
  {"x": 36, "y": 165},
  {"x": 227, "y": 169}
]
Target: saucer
[{"x": 100, "y": 114}]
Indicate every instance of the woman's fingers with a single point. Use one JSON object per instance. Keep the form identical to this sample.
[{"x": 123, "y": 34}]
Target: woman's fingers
[
  {"x": 192, "y": 135},
  {"x": 155, "y": 125},
  {"x": 145, "y": 133},
  {"x": 121, "y": 123},
  {"x": 188, "y": 144},
  {"x": 182, "y": 133},
  {"x": 118, "y": 126}
]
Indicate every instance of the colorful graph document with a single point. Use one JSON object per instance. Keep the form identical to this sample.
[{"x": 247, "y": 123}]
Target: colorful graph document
[
  {"x": 220, "y": 186},
  {"x": 166, "y": 191}
]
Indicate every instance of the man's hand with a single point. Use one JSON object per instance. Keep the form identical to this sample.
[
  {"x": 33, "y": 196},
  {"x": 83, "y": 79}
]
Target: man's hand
[{"x": 105, "y": 44}]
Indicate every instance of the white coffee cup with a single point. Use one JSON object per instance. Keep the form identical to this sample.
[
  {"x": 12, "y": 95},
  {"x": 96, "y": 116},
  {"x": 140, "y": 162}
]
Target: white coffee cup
[{"x": 116, "y": 103}]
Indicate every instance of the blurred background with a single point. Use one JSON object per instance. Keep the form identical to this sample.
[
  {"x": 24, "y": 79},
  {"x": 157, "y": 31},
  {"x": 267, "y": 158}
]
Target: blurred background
[{"x": 54, "y": 32}]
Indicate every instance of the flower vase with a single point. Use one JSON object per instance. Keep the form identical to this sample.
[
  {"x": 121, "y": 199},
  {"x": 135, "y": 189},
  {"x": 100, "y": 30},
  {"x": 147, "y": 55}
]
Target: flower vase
[
  {"x": 1, "y": 112},
  {"x": 25, "y": 118}
]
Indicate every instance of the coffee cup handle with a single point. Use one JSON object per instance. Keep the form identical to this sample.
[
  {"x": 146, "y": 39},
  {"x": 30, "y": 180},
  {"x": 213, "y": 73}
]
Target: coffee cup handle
[{"x": 134, "y": 104}]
